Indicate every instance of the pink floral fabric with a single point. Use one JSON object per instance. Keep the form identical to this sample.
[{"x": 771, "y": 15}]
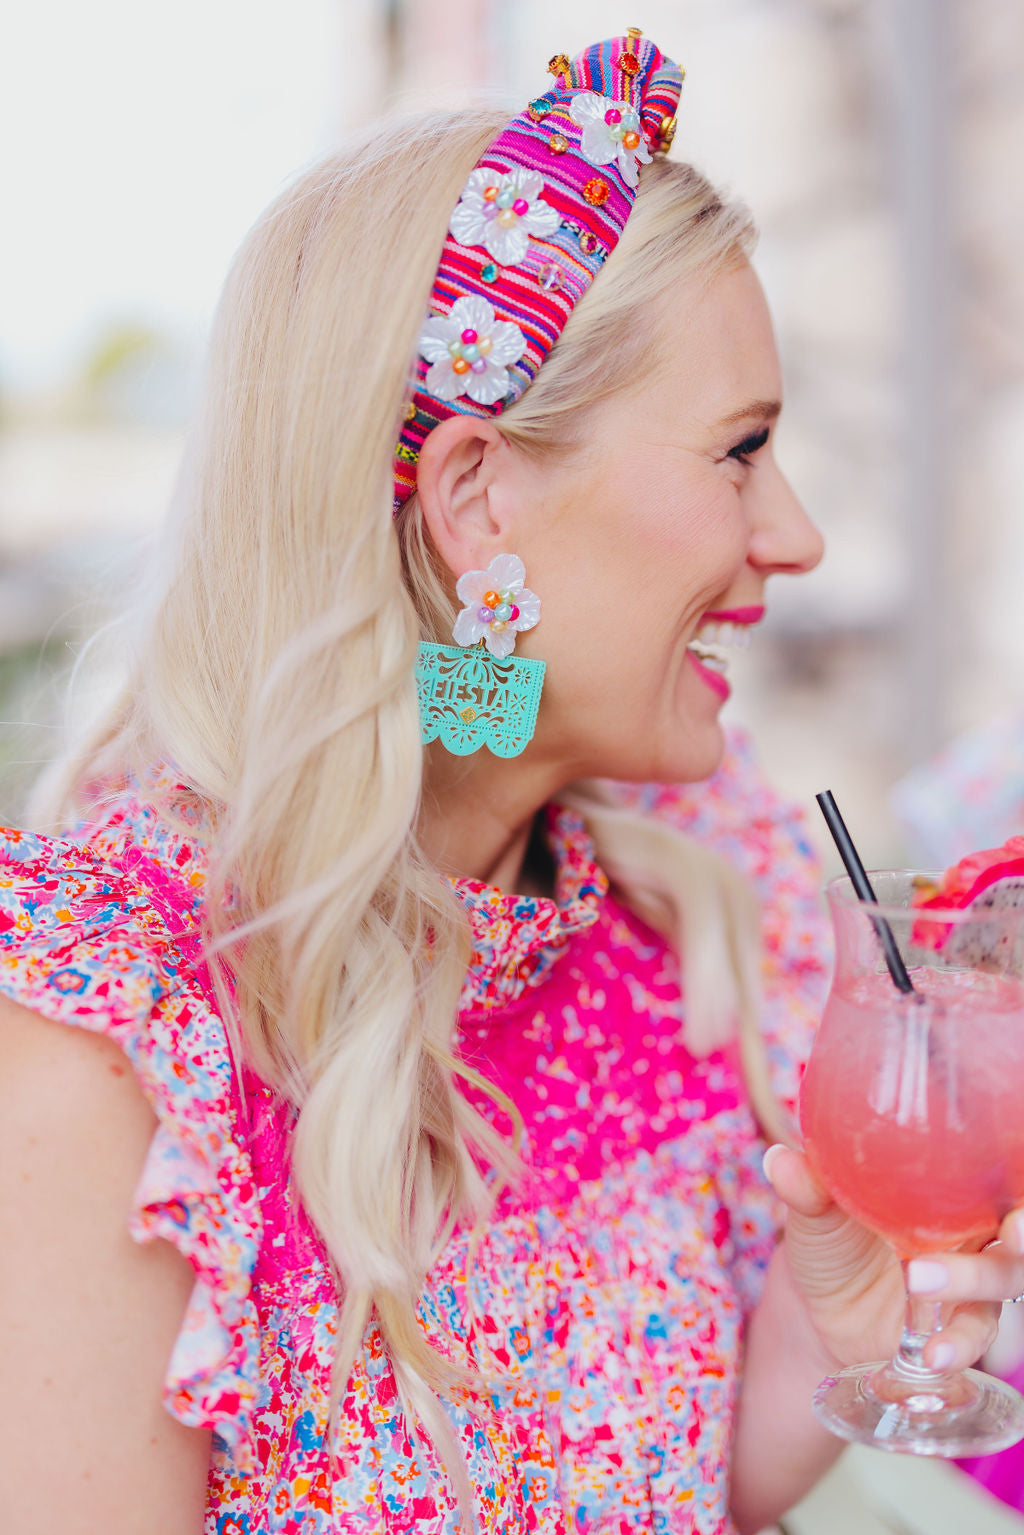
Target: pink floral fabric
[{"x": 609, "y": 1292}]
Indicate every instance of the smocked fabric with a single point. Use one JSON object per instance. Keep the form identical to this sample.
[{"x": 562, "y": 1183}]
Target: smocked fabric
[{"x": 609, "y": 1291}]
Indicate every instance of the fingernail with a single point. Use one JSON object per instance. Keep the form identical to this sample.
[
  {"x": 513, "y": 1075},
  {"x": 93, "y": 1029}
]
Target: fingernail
[
  {"x": 1014, "y": 1234},
  {"x": 943, "y": 1354},
  {"x": 926, "y": 1277},
  {"x": 769, "y": 1157}
]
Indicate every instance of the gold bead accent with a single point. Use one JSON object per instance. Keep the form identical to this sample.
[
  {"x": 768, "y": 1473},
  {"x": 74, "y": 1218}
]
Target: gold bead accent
[
  {"x": 468, "y": 715},
  {"x": 634, "y": 31},
  {"x": 410, "y": 410},
  {"x": 558, "y": 143},
  {"x": 666, "y": 133},
  {"x": 558, "y": 64}
]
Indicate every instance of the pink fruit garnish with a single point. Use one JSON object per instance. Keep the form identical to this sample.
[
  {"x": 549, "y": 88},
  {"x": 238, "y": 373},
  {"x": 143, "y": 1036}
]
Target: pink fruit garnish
[{"x": 973, "y": 879}]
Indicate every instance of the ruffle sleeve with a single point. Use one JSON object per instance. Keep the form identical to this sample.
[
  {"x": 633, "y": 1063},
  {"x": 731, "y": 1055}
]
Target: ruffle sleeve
[{"x": 84, "y": 942}]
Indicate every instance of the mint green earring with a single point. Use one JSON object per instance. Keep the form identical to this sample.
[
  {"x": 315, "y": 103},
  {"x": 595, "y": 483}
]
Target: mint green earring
[{"x": 482, "y": 695}]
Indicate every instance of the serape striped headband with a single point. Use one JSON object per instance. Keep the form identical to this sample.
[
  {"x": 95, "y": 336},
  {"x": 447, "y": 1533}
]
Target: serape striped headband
[{"x": 537, "y": 218}]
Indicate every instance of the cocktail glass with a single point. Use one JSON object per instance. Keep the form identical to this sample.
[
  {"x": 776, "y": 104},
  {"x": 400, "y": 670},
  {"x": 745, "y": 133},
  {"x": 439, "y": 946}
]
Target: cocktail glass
[{"x": 912, "y": 1112}]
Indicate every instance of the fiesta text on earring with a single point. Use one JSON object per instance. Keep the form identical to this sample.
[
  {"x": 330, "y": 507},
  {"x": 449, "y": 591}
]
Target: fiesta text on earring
[{"x": 480, "y": 694}]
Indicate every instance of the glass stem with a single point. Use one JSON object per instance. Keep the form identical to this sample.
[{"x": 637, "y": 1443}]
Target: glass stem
[{"x": 922, "y": 1321}]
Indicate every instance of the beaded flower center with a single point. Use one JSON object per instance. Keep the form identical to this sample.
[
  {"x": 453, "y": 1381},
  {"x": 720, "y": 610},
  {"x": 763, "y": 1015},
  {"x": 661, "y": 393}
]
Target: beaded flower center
[
  {"x": 505, "y": 205},
  {"x": 623, "y": 126},
  {"x": 469, "y": 351},
  {"x": 498, "y": 610}
]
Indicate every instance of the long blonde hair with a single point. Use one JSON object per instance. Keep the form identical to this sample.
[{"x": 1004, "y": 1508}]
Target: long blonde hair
[{"x": 274, "y": 668}]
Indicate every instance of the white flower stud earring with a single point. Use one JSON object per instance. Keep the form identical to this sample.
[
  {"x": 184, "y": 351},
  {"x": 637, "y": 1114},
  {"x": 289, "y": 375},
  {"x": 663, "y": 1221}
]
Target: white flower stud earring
[{"x": 482, "y": 695}]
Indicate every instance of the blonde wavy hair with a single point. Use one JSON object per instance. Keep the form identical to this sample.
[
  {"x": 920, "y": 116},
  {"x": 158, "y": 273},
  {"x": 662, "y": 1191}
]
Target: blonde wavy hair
[{"x": 273, "y": 666}]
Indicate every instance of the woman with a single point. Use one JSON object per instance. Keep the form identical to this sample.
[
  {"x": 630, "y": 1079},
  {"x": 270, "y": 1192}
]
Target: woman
[{"x": 460, "y": 1199}]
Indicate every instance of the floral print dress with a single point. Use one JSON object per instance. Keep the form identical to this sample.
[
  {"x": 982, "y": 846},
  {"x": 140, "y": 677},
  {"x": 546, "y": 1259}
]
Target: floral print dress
[{"x": 609, "y": 1292}]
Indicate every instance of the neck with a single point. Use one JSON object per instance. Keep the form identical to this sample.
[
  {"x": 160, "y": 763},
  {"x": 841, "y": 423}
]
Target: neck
[{"x": 478, "y": 813}]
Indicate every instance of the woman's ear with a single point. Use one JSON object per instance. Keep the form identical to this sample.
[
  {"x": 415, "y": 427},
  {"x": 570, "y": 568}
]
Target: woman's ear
[{"x": 463, "y": 479}]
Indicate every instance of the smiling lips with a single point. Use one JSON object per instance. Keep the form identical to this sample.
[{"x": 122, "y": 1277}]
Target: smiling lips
[{"x": 718, "y": 629}]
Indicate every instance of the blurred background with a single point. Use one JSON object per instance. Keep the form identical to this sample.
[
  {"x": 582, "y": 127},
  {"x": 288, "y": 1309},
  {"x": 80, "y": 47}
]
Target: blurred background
[{"x": 878, "y": 142}]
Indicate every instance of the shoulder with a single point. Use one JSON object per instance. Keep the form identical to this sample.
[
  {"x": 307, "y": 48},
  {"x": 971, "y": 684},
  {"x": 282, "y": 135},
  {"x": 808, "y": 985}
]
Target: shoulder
[
  {"x": 104, "y": 963},
  {"x": 61, "y": 1089},
  {"x": 97, "y": 1316}
]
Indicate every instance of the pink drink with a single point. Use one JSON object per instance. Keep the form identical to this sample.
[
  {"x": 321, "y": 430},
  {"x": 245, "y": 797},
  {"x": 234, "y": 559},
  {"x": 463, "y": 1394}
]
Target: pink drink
[{"x": 912, "y": 1107}]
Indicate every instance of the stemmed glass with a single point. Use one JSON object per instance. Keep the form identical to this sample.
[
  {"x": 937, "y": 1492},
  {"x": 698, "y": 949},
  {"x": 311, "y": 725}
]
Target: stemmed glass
[{"x": 912, "y": 1117}]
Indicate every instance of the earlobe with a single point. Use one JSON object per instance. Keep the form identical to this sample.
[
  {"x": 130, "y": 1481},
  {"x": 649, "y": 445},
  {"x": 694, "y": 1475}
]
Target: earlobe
[{"x": 458, "y": 481}]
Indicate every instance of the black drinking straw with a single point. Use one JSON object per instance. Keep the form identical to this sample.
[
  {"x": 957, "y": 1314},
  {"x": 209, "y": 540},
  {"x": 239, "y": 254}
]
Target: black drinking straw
[{"x": 862, "y": 885}]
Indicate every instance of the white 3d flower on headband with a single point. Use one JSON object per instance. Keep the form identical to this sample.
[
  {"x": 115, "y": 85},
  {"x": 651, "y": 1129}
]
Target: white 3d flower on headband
[
  {"x": 470, "y": 349},
  {"x": 611, "y": 133},
  {"x": 498, "y": 606},
  {"x": 501, "y": 212}
]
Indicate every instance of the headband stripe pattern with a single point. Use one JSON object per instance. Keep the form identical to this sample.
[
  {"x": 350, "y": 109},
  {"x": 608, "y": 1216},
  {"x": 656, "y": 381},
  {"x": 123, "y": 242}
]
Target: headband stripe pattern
[{"x": 538, "y": 169}]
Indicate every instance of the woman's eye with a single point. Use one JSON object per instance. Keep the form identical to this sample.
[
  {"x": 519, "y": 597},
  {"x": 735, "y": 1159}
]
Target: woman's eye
[{"x": 743, "y": 450}]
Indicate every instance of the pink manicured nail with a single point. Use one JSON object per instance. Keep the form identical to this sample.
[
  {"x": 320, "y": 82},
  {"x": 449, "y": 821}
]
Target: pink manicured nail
[
  {"x": 769, "y": 1158},
  {"x": 926, "y": 1277},
  {"x": 1014, "y": 1237},
  {"x": 943, "y": 1354}
]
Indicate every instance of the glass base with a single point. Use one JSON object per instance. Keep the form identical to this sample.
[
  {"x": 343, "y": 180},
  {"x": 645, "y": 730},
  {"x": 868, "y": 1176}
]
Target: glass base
[{"x": 967, "y": 1413}]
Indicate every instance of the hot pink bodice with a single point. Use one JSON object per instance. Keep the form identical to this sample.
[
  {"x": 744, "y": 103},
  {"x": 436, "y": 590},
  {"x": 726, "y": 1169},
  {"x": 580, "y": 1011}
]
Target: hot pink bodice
[{"x": 609, "y": 1290}]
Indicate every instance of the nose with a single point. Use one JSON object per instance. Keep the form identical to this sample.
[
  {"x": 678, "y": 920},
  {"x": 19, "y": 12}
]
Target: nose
[{"x": 783, "y": 539}]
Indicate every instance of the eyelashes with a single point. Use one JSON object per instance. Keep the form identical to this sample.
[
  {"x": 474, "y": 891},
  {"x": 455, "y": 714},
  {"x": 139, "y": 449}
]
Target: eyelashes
[{"x": 750, "y": 445}]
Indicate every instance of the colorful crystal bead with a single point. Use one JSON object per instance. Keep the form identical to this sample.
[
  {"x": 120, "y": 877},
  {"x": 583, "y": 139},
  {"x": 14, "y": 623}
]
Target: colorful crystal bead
[
  {"x": 506, "y": 197},
  {"x": 490, "y": 193},
  {"x": 485, "y": 614},
  {"x": 491, "y": 599},
  {"x": 503, "y": 611},
  {"x": 538, "y": 110},
  {"x": 631, "y": 139},
  {"x": 507, "y": 218},
  {"x": 469, "y": 335},
  {"x": 489, "y": 273},
  {"x": 613, "y": 115},
  {"x": 629, "y": 63},
  {"x": 549, "y": 276},
  {"x": 520, "y": 206},
  {"x": 485, "y": 345},
  {"x": 479, "y": 365},
  {"x": 596, "y": 191},
  {"x": 499, "y": 625},
  {"x": 460, "y": 365},
  {"x": 513, "y": 613},
  {"x": 558, "y": 143},
  {"x": 589, "y": 243}
]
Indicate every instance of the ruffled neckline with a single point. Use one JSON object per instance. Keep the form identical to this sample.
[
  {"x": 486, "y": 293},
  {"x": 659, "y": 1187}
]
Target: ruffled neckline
[{"x": 517, "y": 938}]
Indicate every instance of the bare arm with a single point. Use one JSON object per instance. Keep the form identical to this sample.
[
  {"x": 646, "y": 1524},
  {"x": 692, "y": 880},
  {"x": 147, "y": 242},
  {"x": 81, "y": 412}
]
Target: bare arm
[
  {"x": 88, "y": 1318},
  {"x": 780, "y": 1449}
]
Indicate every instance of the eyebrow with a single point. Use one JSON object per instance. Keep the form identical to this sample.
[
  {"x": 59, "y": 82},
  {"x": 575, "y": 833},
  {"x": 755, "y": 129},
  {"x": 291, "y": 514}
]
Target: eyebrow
[{"x": 766, "y": 409}]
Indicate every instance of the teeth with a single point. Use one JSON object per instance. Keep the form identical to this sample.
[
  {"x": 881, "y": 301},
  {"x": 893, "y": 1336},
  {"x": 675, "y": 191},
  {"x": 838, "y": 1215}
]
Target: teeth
[{"x": 737, "y": 635}]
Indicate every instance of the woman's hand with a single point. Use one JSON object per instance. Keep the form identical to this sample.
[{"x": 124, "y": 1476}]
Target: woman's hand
[
  {"x": 852, "y": 1284},
  {"x": 834, "y": 1295}
]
